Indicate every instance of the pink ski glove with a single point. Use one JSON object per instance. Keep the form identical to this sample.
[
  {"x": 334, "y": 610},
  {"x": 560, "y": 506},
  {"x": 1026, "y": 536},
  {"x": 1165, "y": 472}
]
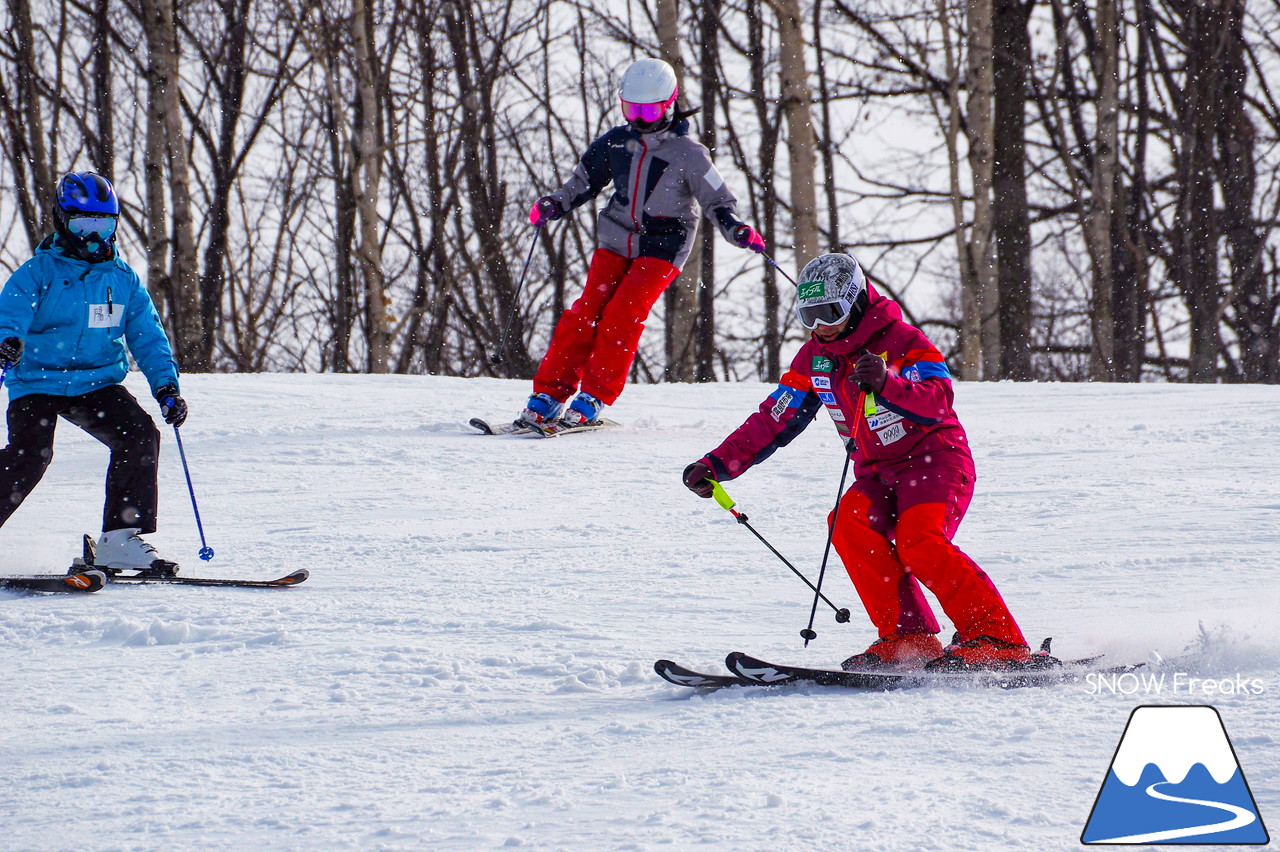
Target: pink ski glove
[
  {"x": 748, "y": 238},
  {"x": 546, "y": 210}
]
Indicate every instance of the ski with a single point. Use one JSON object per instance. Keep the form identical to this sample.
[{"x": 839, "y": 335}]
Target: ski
[
  {"x": 82, "y": 581},
  {"x": 774, "y": 674},
  {"x": 516, "y": 427},
  {"x": 291, "y": 579},
  {"x": 680, "y": 676},
  {"x": 162, "y": 571},
  {"x": 559, "y": 427}
]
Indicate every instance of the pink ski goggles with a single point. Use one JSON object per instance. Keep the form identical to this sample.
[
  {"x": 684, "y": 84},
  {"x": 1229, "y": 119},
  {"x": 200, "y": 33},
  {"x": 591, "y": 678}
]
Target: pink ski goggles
[{"x": 648, "y": 113}]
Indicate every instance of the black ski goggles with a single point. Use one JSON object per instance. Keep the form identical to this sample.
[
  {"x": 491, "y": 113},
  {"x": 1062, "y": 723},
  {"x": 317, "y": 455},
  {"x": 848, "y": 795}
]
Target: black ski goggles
[{"x": 826, "y": 313}]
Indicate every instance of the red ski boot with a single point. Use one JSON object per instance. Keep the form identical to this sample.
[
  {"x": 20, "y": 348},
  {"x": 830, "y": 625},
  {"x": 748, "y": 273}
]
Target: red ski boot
[{"x": 897, "y": 651}]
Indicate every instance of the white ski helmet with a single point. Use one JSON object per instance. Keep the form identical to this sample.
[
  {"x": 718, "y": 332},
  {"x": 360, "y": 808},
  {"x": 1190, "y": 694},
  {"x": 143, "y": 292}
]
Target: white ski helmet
[
  {"x": 648, "y": 81},
  {"x": 832, "y": 289}
]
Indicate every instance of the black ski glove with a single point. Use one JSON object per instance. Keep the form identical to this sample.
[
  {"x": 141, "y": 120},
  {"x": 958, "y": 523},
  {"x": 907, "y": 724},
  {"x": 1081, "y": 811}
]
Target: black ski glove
[
  {"x": 172, "y": 406},
  {"x": 870, "y": 372},
  {"x": 10, "y": 351},
  {"x": 697, "y": 478}
]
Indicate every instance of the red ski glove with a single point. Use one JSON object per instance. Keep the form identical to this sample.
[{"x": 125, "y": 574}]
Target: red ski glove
[{"x": 697, "y": 478}]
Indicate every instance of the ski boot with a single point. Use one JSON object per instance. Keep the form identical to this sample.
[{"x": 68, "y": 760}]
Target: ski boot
[
  {"x": 541, "y": 408},
  {"x": 897, "y": 651},
  {"x": 583, "y": 410},
  {"x": 125, "y": 550},
  {"x": 984, "y": 653}
]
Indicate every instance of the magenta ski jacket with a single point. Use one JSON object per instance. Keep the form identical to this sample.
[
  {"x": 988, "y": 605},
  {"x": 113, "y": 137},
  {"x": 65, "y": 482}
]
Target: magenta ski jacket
[{"x": 911, "y": 417}]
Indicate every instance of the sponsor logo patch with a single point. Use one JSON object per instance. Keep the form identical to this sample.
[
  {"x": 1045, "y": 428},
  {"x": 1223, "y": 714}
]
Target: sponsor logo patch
[
  {"x": 836, "y": 414},
  {"x": 822, "y": 364},
  {"x": 827, "y": 397},
  {"x": 822, "y": 382},
  {"x": 882, "y": 418},
  {"x": 780, "y": 407},
  {"x": 811, "y": 290}
]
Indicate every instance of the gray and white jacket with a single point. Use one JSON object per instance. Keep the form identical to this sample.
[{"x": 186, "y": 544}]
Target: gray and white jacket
[{"x": 659, "y": 180}]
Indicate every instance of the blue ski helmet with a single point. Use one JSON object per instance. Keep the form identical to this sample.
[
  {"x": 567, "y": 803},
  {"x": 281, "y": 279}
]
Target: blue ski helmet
[{"x": 85, "y": 213}]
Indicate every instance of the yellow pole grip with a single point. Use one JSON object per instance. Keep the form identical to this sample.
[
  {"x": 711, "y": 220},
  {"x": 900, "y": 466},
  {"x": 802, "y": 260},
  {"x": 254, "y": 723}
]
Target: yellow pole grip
[{"x": 722, "y": 497}]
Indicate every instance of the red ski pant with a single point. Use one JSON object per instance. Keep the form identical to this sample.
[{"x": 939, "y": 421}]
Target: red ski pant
[
  {"x": 595, "y": 341},
  {"x": 920, "y": 512}
]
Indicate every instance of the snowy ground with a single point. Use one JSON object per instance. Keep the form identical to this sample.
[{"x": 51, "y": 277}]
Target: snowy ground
[{"x": 469, "y": 666}]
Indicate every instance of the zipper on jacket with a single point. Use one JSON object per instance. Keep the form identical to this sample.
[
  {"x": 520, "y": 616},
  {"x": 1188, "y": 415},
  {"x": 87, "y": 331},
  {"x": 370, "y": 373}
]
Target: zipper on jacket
[
  {"x": 110, "y": 309},
  {"x": 635, "y": 192}
]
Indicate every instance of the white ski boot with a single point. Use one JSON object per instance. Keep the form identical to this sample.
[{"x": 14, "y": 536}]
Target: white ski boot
[{"x": 125, "y": 550}]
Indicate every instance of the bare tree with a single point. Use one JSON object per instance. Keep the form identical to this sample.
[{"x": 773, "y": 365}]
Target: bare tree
[
  {"x": 168, "y": 179},
  {"x": 796, "y": 99}
]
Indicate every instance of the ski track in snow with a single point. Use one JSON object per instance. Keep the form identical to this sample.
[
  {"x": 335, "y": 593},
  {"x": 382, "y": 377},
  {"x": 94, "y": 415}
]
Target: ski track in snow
[{"x": 469, "y": 666}]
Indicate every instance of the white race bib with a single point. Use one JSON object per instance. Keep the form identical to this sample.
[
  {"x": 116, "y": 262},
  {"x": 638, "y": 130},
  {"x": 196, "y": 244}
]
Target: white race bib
[{"x": 100, "y": 317}]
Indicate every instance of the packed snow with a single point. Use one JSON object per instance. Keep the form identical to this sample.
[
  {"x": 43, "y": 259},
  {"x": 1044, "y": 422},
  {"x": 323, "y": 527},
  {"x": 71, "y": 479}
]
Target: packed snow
[{"x": 470, "y": 665}]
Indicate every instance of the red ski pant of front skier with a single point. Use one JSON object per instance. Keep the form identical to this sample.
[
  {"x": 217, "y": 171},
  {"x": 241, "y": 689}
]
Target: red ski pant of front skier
[
  {"x": 920, "y": 509},
  {"x": 595, "y": 341}
]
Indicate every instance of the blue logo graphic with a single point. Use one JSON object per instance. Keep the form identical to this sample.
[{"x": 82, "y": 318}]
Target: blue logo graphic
[{"x": 1175, "y": 779}]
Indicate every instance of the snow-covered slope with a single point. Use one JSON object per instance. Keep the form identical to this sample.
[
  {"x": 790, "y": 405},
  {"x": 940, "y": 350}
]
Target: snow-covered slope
[{"x": 469, "y": 666}]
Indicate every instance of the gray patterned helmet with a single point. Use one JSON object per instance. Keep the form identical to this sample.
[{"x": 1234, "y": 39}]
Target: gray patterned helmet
[{"x": 831, "y": 288}]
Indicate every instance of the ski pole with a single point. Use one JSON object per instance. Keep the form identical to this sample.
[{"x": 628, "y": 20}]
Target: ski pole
[
  {"x": 206, "y": 552},
  {"x": 726, "y": 502},
  {"x": 775, "y": 265},
  {"x": 808, "y": 633},
  {"x": 515, "y": 301}
]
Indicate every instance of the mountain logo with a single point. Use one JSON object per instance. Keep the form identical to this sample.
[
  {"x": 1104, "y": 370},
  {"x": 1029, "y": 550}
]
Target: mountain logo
[{"x": 1175, "y": 779}]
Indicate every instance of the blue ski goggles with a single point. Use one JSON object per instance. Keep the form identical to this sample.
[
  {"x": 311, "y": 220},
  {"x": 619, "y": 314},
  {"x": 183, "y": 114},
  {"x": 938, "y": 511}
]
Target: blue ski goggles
[
  {"x": 826, "y": 313},
  {"x": 92, "y": 227}
]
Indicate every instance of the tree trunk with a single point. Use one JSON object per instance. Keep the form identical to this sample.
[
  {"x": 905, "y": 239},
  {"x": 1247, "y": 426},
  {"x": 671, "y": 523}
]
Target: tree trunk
[
  {"x": 705, "y": 327},
  {"x": 32, "y": 130},
  {"x": 1252, "y": 306},
  {"x": 1195, "y": 255},
  {"x": 368, "y": 180},
  {"x": 827, "y": 146},
  {"x": 104, "y": 148},
  {"x": 952, "y": 122},
  {"x": 1102, "y": 207},
  {"x": 165, "y": 108},
  {"x": 680, "y": 301},
  {"x": 797, "y": 97},
  {"x": 981, "y": 301},
  {"x": 231, "y": 99},
  {"x": 1011, "y": 49}
]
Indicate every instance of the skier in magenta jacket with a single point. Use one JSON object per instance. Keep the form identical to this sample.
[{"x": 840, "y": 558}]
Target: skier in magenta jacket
[{"x": 888, "y": 391}]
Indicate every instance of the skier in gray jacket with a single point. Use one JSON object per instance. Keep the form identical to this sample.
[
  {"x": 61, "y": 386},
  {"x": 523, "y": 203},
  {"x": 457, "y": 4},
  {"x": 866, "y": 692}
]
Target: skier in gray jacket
[{"x": 660, "y": 177}]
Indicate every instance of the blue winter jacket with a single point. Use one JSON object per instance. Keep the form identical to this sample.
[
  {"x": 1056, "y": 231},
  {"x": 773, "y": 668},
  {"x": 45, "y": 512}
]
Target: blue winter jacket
[{"x": 75, "y": 319}]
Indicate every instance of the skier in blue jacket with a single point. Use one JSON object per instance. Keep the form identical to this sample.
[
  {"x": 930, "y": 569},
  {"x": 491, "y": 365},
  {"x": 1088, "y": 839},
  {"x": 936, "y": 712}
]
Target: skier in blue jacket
[{"x": 69, "y": 320}]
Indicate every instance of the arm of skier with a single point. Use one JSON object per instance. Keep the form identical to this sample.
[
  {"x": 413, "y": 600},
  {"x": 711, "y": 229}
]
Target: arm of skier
[
  {"x": 18, "y": 301},
  {"x": 920, "y": 389},
  {"x": 719, "y": 202},
  {"x": 784, "y": 414},
  {"x": 145, "y": 336},
  {"x": 589, "y": 177}
]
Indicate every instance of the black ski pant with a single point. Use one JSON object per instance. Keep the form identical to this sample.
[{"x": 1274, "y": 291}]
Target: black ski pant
[{"x": 111, "y": 415}]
